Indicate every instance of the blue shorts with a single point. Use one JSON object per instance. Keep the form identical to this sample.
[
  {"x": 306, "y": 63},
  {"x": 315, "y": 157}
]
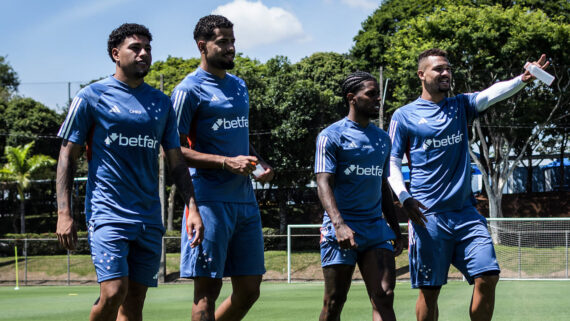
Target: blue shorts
[
  {"x": 373, "y": 234},
  {"x": 126, "y": 249},
  {"x": 460, "y": 238},
  {"x": 233, "y": 242}
]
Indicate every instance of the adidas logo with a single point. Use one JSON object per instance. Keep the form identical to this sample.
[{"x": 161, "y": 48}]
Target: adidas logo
[
  {"x": 239, "y": 122},
  {"x": 422, "y": 121},
  {"x": 215, "y": 98},
  {"x": 114, "y": 109},
  {"x": 364, "y": 171},
  {"x": 352, "y": 145}
]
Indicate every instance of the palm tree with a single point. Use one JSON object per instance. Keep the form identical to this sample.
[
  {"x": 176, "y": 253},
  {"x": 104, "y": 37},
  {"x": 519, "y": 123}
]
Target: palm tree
[{"x": 20, "y": 168}]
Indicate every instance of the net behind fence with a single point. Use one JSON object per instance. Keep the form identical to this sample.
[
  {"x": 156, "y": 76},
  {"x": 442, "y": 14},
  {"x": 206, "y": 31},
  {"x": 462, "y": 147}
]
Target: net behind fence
[
  {"x": 531, "y": 248},
  {"x": 526, "y": 248}
]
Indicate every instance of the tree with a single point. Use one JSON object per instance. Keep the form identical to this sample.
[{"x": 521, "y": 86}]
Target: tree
[
  {"x": 374, "y": 39},
  {"x": 488, "y": 44},
  {"x": 9, "y": 81},
  {"x": 300, "y": 100},
  {"x": 289, "y": 105},
  {"x": 173, "y": 70},
  {"x": 28, "y": 120},
  {"x": 20, "y": 169}
]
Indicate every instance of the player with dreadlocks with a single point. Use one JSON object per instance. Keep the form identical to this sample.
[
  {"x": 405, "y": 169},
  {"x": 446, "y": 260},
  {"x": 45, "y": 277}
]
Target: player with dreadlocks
[{"x": 352, "y": 167}]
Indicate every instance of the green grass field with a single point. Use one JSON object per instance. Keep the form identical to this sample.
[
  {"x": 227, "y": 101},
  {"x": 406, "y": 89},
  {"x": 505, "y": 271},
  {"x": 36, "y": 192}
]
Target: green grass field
[{"x": 516, "y": 300}]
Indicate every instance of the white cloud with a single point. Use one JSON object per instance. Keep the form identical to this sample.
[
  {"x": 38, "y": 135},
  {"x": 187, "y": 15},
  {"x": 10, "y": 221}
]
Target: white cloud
[
  {"x": 255, "y": 24},
  {"x": 82, "y": 11},
  {"x": 363, "y": 4}
]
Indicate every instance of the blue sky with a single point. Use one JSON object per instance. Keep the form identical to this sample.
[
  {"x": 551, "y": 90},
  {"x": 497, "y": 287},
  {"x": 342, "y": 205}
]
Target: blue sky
[{"x": 51, "y": 43}]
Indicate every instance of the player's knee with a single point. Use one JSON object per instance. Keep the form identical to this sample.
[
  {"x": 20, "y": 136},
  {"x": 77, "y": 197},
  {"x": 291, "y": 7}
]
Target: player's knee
[
  {"x": 248, "y": 297},
  {"x": 247, "y": 292},
  {"x": 113, "y": 294},
  {"x": 382, "y": 297},
  {"x": 334, "y": 301}
]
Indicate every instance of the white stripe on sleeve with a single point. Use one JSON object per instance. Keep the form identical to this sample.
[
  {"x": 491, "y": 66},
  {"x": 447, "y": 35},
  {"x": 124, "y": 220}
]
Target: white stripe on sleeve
[
  {"x": 66, "y": 126},
  {"x": 392, "y": 130},
  {"x": 179, "y": 100},
  {"x": 321, "y": 151}
]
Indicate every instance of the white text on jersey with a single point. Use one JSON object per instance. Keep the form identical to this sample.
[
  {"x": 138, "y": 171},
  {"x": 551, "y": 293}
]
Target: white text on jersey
[
  {"x": 364, "y": 171},
  {"x": 446, "y": 141},
  {"x": 140, "y": 141},
  {"x": 239, "y": 122}
]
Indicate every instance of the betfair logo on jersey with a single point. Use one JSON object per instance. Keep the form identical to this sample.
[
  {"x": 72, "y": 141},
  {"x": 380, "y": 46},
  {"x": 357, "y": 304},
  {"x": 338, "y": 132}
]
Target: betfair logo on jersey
[
  {"x": 443, "y": 142},
  {"x": 364, "y": 171},
  {"x": 239, "y": 122},
  {"x": 140, "y": 141}
]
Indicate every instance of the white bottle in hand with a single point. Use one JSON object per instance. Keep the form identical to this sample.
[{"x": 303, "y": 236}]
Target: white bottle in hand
[{"x": 539, "y": 73}]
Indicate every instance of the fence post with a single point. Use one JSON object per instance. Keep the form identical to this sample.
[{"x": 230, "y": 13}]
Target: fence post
[
  {"x": 288, "y": 254},
  {"x": 68, "y": 267},
  {"x": 566, "y": 240},
  {"x": 26, "y": 261},
  {"x": 16, "y": 264},
  {"x": 520, "y": 254}
]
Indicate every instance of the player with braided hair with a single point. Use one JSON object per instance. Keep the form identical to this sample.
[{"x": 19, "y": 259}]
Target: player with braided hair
[{"x": 352, "y": 167}]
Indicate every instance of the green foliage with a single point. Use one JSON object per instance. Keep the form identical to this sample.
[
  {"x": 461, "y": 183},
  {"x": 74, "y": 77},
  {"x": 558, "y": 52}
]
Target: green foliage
[
  {"x": 9, "y": 81},
  {"x": 289, "y": 104},
  {"x": 21, "y": 166},
  {"x": 485, "y": 44},
  {"x": 301, "y": 99},
  {"x": 174, "y": 69},
  {"x": 374, "y": 39},
  {"x": 26, "y": 119}
]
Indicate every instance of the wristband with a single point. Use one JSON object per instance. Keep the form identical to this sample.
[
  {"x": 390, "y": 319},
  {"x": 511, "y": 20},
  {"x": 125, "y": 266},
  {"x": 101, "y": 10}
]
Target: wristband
[{"x": 404, "y": 195}]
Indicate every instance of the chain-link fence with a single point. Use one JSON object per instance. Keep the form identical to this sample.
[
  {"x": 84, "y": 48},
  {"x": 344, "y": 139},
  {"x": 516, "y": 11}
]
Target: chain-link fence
[{"x": 526, "y": 249}]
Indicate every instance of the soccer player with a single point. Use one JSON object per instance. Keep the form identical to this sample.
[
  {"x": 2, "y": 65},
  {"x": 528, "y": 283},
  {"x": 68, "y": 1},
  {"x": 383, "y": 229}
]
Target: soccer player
[
  {"x": 445, "y": 226},
  {"x": 352, "y": 166},
  {"x": 123, "y": 121},
  {"x": 213, "y": 109}
]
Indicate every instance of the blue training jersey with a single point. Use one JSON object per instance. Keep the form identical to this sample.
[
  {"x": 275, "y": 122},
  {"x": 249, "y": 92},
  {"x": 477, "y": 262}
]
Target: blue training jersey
[
  {"x": 435, "y": 135},
  {"x": 359, "y": 159},
  {"x": 122, "y": 127},
  {"x": 214, "y": 113}
]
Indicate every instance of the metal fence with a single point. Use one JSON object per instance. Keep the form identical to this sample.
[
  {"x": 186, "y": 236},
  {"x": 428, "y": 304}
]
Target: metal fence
[{"x": 526, "y": 249}]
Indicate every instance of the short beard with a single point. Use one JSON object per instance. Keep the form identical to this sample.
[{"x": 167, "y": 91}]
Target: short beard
[
  {"x": 228, "y": 65},
  {"x": 219, "y": 64},
  {"x": 141, "y": 74},
  {"x": 222, "y": 64}
]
